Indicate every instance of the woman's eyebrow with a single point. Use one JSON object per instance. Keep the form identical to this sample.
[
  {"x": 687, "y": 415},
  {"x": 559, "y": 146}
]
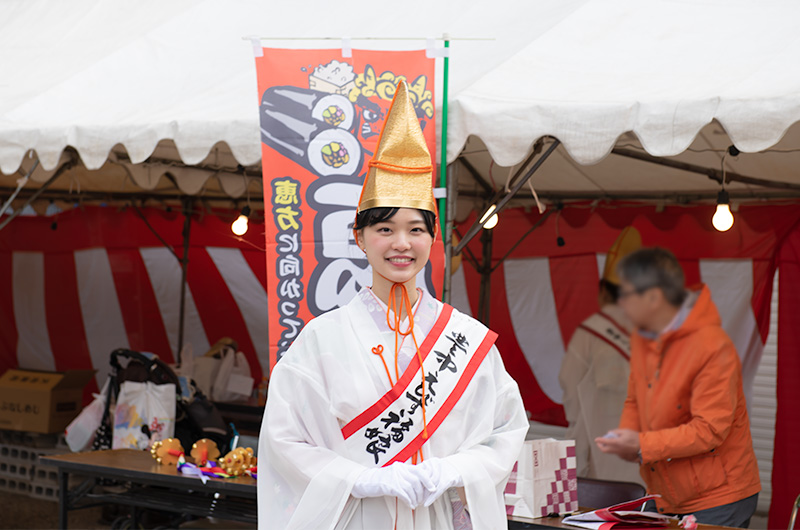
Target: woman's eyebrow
[{"x": 413, "y": 222}]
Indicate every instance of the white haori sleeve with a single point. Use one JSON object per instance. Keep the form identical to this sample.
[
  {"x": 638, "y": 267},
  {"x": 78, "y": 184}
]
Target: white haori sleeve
[
  {"x": 305, "y": 472},
  {"x": 493, "y": 439},
  {"x": 302, "y": 482}
]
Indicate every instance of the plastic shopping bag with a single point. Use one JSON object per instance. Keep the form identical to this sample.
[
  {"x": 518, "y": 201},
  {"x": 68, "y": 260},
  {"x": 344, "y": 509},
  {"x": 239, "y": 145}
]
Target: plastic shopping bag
[
  {"x": 80, "y": 432},
  {"x": 145, "y": 413},
  {"x": 233, "y": 381}
]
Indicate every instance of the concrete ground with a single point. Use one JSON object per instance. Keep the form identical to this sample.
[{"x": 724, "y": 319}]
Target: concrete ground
[{"x": 21, "y": 511}]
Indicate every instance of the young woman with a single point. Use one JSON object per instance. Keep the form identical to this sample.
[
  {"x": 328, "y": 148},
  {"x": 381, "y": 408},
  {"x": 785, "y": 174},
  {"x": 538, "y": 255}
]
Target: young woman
[{"x": 394, "y": 411}]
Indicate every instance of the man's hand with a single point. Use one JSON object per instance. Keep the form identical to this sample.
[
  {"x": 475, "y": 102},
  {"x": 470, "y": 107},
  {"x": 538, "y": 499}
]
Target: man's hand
[{"x": 621, "y": 442}]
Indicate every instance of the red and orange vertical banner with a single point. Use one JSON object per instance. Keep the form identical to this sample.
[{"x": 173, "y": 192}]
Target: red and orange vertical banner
[{"x": 321, "y": 115}]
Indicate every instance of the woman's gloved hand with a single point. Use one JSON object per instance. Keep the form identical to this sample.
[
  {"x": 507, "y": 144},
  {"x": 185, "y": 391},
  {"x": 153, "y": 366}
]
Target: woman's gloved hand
[
  {"x": 442, "y": 474},
  {"x": 399, "y": 480}
]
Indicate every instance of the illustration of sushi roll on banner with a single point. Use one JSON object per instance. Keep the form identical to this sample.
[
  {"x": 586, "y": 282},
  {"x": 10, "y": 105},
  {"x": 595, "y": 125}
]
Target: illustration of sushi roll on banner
[
  {"x": 334, "y": 110},
  {"x": 334, "y": 152},
  {"x": 310, "y": 127}
]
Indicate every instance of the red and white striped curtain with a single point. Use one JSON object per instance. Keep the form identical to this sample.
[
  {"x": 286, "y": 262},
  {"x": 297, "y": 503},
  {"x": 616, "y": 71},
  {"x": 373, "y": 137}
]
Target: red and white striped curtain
[
  {"x": 543, "y": 291},
  {"x": 99, "y": 279},
  {"x": 537, "y": 320}
]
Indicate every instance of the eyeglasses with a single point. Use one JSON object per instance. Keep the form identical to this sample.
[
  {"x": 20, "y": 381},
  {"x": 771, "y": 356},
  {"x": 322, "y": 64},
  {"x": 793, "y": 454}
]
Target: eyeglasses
[
  {"x": 621, "y": 295},
  {"x": 625, "y": 294}
]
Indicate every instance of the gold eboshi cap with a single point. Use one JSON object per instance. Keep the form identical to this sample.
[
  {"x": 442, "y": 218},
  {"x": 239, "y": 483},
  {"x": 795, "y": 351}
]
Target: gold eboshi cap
[
  {"x": 401, "y": 173},
  {"x": 628, "y": 241}
]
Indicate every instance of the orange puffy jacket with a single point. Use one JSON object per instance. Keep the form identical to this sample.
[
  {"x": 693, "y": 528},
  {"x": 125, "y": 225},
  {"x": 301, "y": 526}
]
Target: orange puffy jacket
[{"x": 685, "y": 399}]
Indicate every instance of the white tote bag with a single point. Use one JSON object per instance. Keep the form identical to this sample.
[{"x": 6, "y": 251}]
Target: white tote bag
[
  {"x": 233, "y": 381},
  {"x": 140, "y": 405}
]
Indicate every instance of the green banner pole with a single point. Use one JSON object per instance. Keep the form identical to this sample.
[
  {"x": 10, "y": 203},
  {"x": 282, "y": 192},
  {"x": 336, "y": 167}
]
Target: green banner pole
[{"x": 443, "y": 163}]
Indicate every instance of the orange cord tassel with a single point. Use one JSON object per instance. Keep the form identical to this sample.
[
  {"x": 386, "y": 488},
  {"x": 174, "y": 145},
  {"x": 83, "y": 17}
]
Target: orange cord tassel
[
  {"x": 398, "y": 311},
  {"x": 393, "y": 307}
]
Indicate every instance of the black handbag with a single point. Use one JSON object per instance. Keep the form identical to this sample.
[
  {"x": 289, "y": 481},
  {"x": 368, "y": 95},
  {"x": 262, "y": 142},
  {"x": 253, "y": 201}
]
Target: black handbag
[{"x": 199, "y": 418}]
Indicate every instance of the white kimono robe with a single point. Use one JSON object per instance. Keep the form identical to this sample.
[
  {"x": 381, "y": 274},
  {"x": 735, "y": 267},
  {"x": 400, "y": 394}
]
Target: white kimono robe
[
  {"x": 327, "y": 378},
  {"x": 594, "y": 377}
]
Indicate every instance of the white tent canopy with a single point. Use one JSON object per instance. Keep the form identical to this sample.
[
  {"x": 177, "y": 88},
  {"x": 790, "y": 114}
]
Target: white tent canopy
[
  {"x": 661, "y": 69},
  {"x": 120, "y": 82},
  {"x": 96, "y": 73}
]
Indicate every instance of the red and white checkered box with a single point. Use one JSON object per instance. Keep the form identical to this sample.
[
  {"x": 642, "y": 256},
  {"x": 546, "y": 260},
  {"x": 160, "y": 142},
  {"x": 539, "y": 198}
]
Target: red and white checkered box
[{"x": 544, "y": 480}]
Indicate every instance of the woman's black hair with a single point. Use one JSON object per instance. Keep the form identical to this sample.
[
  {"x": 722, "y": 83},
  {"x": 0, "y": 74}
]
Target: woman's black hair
[
  {"x": 611, "y": 288},
  {"x": 374, "y": 216}
]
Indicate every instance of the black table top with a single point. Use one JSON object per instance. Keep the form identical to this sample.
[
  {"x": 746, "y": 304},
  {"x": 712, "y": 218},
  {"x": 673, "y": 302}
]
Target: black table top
[{"x": 139, "y": 466}]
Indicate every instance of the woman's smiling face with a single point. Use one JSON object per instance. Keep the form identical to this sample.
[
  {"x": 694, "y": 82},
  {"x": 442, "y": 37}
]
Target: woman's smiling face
[{"x": 397, "y": 248}]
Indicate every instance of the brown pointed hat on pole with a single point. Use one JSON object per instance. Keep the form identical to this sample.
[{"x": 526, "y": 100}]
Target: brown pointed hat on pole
[{"x": 401, "y": 172}]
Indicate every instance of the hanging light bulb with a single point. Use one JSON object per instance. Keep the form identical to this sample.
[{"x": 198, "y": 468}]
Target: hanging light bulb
[
  {"x": 723, "y": 218},
  {"x": 493, "y": 219},
  {"x": 239, "y": 226}
]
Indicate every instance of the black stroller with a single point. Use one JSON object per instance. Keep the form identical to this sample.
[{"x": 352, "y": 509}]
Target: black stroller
[{"x": 195, "y": 416}]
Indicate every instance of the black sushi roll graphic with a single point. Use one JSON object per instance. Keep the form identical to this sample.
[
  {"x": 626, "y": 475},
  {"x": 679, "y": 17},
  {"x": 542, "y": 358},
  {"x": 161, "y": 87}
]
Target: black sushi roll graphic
[{"x": 310, "y": 127}]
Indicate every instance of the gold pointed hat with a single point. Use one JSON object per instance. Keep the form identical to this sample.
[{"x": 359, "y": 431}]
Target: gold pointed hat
[
  {"x": 401, "y": 173},
  {"x": 627, "y": 241}
]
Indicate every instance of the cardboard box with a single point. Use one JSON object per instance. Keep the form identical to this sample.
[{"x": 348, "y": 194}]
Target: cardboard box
[{"x": 44, "y": 402}]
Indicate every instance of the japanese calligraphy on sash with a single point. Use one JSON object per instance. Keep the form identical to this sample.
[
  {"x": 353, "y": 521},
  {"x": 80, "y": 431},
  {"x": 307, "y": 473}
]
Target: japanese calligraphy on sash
[
  {"x": 605, "y": 328},
  {"x": 391, "y": 430}
]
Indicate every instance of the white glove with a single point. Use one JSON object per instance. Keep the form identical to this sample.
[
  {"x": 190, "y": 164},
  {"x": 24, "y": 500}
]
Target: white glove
[
  {"x": 444, "y": 476},
  {"x": 397, "y": 480}
]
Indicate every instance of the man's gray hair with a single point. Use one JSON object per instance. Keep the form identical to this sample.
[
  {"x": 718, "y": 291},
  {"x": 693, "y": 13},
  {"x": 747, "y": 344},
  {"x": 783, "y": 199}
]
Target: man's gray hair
[{"x": 654, "y": 267}]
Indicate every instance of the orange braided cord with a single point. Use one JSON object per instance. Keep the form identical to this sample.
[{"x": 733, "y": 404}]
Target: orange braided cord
[
  {"x": 399, "y": 169},
  {"x": 392, "y": 305}
]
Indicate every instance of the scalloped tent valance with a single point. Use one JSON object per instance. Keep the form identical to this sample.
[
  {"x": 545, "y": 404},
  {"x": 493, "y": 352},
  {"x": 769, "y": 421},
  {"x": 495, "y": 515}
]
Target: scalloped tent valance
[{"x": 95, "y": 74}]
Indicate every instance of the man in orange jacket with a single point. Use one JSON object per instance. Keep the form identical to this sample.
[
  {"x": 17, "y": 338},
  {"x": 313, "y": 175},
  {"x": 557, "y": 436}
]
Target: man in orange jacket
[{"x": 685, "y": 419}]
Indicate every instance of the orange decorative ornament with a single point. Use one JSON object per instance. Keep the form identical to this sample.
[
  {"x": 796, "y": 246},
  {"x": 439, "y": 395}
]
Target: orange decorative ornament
[
  {"x": 238, "y": 461},
  {"x": 167, "y": 452},
  {"x": 204, "y": 450}
]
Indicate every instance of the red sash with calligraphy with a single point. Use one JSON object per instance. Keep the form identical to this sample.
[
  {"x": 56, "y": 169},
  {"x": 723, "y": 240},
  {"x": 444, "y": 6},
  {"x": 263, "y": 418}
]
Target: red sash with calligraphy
[{"x": 391, "y": 429}]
